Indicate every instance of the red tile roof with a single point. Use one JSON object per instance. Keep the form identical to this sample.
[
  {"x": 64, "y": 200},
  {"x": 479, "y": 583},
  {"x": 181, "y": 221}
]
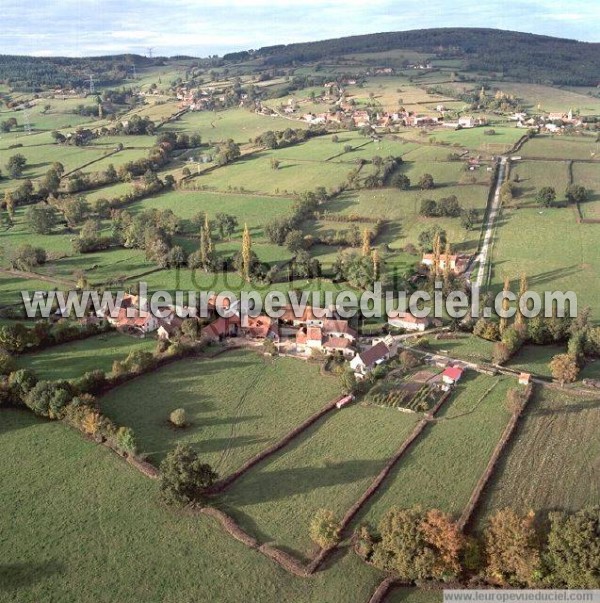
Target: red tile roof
[
  {"x": 260, "y": 327},
  {"x": 453, "y": 372},
  {"x": 339, "y": 326},
  {"x": 338, "y": 343}
]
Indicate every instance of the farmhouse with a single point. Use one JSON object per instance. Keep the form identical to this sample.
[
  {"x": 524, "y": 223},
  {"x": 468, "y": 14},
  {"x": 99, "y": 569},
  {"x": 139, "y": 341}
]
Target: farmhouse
[
  {"x": 261, "y": 327},
  {"x": 133, "y": 319},
  {"x": 452, "y": 375},
  {"x": 405, "y": 320},
  {"x": 306, "y": 316},
  {"x": 221, "y": 328},
  {"x": 366, "y": 361},
  {"x": 458, "y": 263},
  {"x": 308, "y": 338}
]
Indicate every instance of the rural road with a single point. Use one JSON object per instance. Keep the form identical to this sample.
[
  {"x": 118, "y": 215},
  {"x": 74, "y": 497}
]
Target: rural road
[{"x": 483, "y": 258}]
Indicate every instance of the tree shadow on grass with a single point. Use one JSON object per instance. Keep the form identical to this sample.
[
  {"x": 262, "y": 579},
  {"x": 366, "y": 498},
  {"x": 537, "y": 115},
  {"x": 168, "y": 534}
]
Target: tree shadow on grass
[
  {"x": 266, "y": 486},
  {"x": 14, "y": 576}
]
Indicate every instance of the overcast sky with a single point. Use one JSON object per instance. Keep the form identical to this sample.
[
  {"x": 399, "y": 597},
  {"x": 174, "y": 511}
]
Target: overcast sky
[{"x": 203, "y": 27}]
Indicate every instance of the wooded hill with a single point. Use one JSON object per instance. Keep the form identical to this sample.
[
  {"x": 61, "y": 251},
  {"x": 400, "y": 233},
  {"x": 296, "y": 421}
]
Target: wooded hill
[{"x": 522, "y": 56}]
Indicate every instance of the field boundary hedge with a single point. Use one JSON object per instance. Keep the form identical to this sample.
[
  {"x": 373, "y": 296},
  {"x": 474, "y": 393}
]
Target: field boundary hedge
[
  {"x": 223, "y": 484},
  {"x": 485, "y": 477},
  {"x": 382, "y": 590}
]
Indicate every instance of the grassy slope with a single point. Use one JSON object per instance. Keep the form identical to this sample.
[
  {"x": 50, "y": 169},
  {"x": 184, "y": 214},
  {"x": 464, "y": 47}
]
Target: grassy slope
[
  {"x": 238, "y": 404},
  {"x": 331, "y": 466},
  {"x": 553, "y": 461},
  {"x": 442, "y": 468},
  {"x": 89, "y": 529},
  {"x": 72, "y": 360}
]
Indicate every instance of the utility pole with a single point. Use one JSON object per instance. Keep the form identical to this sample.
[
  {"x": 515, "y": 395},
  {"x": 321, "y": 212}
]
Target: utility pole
[
  {"x": 91, "y": 83},
  {"x": 27, "y": 124},
  {"x": 150, "y": 52}
]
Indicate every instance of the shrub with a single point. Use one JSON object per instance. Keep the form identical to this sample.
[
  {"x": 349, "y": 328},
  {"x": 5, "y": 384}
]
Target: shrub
[
  {"x": 125, "y": 440},
  {"x": 178, "y": 418},
  {"x": 184, "y": 477},
  {"x": 20, "y": 383},
  {"x": 511, "y": 549},
  {"x": 7, "y": 362},
  {"x": 49, "y": 398},
  {"x": 325, "y": 529}
]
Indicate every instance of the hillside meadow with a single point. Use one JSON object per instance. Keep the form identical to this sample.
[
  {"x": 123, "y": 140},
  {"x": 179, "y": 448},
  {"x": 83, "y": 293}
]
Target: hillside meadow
[
  {"x": 88, "y": 510},
  {"x": 237, "y": 404}
]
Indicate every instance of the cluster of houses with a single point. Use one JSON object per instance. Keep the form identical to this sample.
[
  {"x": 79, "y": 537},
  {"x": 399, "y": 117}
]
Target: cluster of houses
[
  {"x": 553, "y": 123},
  {"x": 346, "y": 113}
]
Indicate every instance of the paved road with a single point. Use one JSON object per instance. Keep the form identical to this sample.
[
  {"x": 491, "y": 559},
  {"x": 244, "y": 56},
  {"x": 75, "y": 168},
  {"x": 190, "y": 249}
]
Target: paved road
[{"x": 483, "y": 258}]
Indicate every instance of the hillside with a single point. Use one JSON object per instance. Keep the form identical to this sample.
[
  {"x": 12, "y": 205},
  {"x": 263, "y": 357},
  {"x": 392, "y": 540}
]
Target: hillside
[{"x": 529, "y": 57}]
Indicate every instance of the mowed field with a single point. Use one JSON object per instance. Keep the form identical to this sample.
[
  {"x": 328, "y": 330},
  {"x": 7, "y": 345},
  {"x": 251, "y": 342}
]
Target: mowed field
[
  {"x": 237, "y": 404},
  {"x": 442, "y": 467},
  {"x": 72, "y": 360},
  {"x": 553, "y": 460},
  {"x": 561, "y": 147},
  {"x": 552, "y": 249},
  {"x": 329, "y": 466},
  {"x": 239, "y": 124},
  {"x": 87, "y": 509}
]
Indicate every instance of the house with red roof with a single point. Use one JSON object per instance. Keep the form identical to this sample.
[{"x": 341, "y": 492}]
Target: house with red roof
[
  {"x": 221, "y": 328},
  {"x": 261, "y": 327},
  {"x": 452, "y": 375}
]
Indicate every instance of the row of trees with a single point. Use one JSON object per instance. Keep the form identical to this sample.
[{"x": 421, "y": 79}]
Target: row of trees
[{"x": 513, "y": 550}]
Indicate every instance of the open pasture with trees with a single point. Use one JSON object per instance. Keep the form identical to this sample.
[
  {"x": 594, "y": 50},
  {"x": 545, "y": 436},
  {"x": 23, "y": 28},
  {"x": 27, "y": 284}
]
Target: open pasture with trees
[
  {"x": 238, "y": 124},
  {"x": 253, "y": 210},
  {"x": 178, "y": 555},
  {"x": 255, "y": 174},
  {"x": 537, "y": 97},
  {"x": 535, "y": 359},
  {"x": 553, "y": 459},
  {"x": 237, "y": 404},
  {"x": 328, "y": 466},
  {"x": 442, "y": 467},
  {"x": 529, "y": 177},
  {"x": 72, "y": 360},
  {"x": 588, "y": 175},
  {"x": 401, "y": 209}
]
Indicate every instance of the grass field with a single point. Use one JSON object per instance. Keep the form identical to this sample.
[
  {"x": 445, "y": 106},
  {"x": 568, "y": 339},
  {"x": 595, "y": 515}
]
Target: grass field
[
  {"x": 240, "y": 124},
  {"x": 90, "y": 529},
  {"x": 441, "y": 469},
  {"x": 249, "y": 209},
  {"x": 553, "y": 461},
  {"x": 470, "y": 348},
  {"x": 535, "y": 359},
  {"x": 549, "y": 98},
  {"x": 330, "y": 466},
  {"x": 238, "y": 404},
  {"x": 534, "y": 175},
  {"x": 401, "y": 209},
  {"x": 255, "y": 174},
  {"x": 556, "y": 253},
  {"x": 588, "y": 175},
  {"x": 71, "y": 360},
  {"x": 561, "y": 147}
]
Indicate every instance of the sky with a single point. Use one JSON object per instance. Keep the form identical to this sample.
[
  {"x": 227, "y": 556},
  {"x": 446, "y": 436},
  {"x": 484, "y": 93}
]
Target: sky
[{"x": 205, "y": 27}]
